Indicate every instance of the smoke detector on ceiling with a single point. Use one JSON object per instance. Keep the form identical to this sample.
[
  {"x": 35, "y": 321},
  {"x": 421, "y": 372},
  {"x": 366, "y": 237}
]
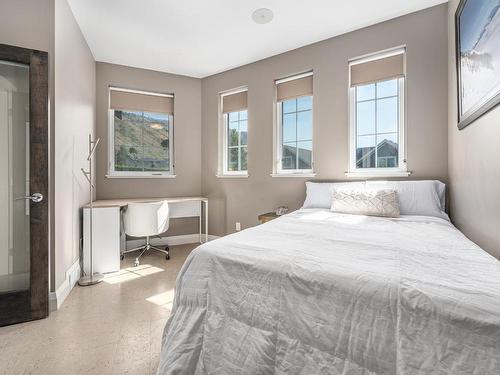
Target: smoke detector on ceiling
[{"x": 263, "y": 15}]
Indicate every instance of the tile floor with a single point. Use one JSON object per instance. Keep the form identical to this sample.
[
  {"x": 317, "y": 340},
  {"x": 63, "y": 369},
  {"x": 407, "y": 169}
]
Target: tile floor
[{"x": 114, "y": 327}]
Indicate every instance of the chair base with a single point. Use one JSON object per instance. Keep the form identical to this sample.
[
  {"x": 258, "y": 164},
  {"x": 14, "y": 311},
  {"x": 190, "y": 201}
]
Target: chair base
[{"x": 143, "y": 249}]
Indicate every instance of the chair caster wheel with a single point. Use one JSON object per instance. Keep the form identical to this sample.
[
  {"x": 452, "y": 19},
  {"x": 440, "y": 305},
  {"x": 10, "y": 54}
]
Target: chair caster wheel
[
  {"x": 122, "y": 257},
  {"x": 136, "y": 263},
  {"x": 167, "y": 257}
]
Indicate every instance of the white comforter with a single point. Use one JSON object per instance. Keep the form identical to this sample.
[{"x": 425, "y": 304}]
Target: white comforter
[{"x": 316, "y": 292}]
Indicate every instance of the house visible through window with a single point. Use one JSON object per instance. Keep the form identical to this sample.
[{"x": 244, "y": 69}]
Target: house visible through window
[
  {"x": 141, "y": 133},
  {"x": 377, "y": 114},
  {"x": 296, "y": 128},
  {"x": 234, "y": 133},
  {"x": 377, "y": 125},
  {"x": 294, "y": 125}
]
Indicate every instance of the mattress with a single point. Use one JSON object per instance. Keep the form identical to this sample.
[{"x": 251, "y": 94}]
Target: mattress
[{"x": 317, "y": 292}]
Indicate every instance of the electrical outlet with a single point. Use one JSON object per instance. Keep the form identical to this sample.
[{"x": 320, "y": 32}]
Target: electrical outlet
[{"x": 238, "y": 226}]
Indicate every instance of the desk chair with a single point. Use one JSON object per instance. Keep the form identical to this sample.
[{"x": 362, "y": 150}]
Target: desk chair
[{"x": 146, "y": 220}]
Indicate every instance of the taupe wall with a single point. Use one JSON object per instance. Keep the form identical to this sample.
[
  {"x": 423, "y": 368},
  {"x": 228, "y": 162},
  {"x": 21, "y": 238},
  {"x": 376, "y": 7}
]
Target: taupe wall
[
  {"x": 30, "y": 24},
  {"x": 49, "y": 25},
  {"x": 425, "y": 35},
  {"x": 74, "y": 120},
  {"x": 187, "y": 138},
  {"x": 474, "y": 171}
]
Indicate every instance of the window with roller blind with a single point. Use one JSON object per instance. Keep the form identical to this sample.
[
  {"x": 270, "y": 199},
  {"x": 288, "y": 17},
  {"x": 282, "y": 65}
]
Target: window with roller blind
[
  {"x": 377, "y": 121},
  {"x": 141, "y": 130},
  {"x": 233, "y": 130},
  {"x": 294, "y": 126}
]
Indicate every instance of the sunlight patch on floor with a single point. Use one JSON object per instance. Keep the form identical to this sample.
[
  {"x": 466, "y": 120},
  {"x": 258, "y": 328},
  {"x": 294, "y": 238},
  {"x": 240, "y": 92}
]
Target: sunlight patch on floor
[
  {"x": 164, "y": 299},
  {"x": 131, "y": 273}
]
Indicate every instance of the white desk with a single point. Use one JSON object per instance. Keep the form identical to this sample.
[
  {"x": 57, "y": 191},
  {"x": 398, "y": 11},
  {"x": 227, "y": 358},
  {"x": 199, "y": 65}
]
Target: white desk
[{"x": 108, "y": 237}]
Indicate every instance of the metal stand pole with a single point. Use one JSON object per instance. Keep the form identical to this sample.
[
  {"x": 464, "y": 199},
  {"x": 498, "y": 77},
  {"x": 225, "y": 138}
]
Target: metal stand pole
[{"x": 92, "y": 278}]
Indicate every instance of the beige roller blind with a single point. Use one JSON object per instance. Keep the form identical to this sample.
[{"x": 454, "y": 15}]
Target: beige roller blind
[
  {"x": 234, "y": 102},
  {"x": 294, "y": 88},
  {"x": 377, "y": 70},
  {"x": 133, "y": 101}
]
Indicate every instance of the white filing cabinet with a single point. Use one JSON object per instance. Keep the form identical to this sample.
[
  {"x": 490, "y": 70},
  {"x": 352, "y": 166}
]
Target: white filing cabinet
[{"x": 105, "y": 238}]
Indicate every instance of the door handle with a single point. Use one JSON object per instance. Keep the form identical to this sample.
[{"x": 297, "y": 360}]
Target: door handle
[{"x": 35, "y": 197}]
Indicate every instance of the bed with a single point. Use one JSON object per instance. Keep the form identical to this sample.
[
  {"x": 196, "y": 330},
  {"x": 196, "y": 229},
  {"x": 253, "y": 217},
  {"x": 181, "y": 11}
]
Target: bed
[{"x": 319, "y": 292}]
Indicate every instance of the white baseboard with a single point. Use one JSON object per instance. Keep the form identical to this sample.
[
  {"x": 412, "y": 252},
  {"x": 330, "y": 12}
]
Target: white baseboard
[
  {"x": 72, "y": 276},
  {"x": 73, "y": 273}
]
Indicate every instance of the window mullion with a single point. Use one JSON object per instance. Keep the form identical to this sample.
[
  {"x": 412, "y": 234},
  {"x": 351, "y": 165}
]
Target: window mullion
[
  {"x": 280, "y": 143},
  {"x": 171, "y": 160},
  {"x": 355, "y": 130},
  {"x": 398, "y": 98},
  {"x": 228, "y": 151},
  {"x": 142, "y": 141},
  {"x": 239, "y": 158},
  {"x": 239, "y": 130},
  {"x": 239, "y": 142},
  {"x": 168, "y": 150},
  {"x": 225, "y": 144},
  {"x": 376, "y": 128},
  {"x": 280, "y": 136},
  {"x": 296, "y": 135}
]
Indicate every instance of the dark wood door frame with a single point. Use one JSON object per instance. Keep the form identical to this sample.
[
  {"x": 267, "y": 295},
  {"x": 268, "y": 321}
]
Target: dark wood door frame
[{"x": 34, "y": 304}]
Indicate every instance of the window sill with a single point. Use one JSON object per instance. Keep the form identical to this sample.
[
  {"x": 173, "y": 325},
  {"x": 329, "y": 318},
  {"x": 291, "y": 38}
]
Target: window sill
[
  {"x": 380, "y": 174},
  {"x": 293, "y": 175},
  {"x": 142, "y": 176},
  {"x": 231, "y": 175}
]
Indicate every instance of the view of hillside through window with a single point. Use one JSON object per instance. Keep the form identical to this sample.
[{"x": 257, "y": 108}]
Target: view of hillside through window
[
  {"x": 377, "y": 125},
  {"x": 296, "y": 128},
  {"x": 141, "y": 141}
]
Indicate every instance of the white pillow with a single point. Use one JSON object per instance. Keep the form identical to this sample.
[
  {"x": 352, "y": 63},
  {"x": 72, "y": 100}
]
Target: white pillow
[
  {"x": 423, "y": 198},
  {"x": 373, "y": 203},
  {"x": 319, "y": 194}
]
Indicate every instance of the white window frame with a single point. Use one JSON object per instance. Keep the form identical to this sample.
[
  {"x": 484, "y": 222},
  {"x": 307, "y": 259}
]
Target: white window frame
[
  {"x": 222, "y": 170},
  {"x": 401, "y": 170},
  {"x": 111, "y": 142},
  {"x": 278, "y": 171}
]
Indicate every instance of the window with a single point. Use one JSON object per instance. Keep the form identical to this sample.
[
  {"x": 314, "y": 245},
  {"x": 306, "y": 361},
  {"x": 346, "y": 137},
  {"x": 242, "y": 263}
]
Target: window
[
  {"x": 234, "y": 134},
  {"x": 140, "y": 134},
  {"x": 294, "y": 126},
  {"x": 377, "y": 115},
  {"x": 236, "y": 128}
]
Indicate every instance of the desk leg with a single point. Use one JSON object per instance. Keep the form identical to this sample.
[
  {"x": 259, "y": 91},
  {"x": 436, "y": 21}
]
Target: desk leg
[
  {"x": 206, "y": 221},
  {"x": 200, "y": 218}
]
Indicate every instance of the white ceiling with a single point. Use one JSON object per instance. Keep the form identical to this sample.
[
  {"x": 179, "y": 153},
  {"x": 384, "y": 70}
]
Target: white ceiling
[{"x": 203, "y": 37}]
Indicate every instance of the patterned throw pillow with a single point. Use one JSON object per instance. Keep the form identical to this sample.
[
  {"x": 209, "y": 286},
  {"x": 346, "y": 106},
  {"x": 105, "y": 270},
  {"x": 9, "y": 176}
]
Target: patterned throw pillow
[{"x": 374, "y": 203}]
